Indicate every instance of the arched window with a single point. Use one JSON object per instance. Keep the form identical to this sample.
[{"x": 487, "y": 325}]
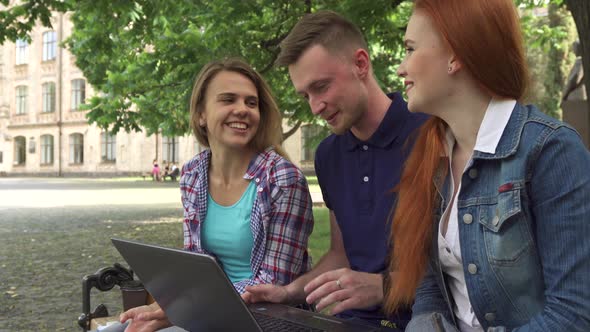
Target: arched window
[
  {"x": 46, "y": 149},
  {"x": 21, "y": 99},
  {"x": 108, "y": 152},
  {"x": 22, "y": 52},
  {"x": 78, "y": 93},
  {"x": 49, "y": 45},
  {"x": 170, "y": 149},
  {"x": 76, "y": 148},
  {"x": 48, "y": 94},
  {"x": 20, "y": 150},
  {"x": 310, "y": 136}
]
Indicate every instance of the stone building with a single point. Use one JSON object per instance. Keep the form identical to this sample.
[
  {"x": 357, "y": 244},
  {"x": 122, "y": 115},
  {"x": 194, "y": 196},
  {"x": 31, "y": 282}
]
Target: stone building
[{"x": 43, "y": 131}]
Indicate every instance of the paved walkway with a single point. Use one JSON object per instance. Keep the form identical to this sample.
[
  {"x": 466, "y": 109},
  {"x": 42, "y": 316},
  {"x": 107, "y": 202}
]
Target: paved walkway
[
  {"x": 61, "y": 192},
  {"x": 53, "y": 231}
]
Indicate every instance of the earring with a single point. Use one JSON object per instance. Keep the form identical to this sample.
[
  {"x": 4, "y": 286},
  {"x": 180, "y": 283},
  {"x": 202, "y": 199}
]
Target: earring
[{"x": 450, "y": 69}]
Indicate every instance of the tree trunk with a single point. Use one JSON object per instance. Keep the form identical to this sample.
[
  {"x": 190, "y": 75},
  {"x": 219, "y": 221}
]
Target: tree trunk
[
  {"x": 580, "y": 10},
  {"x": 554, "y": 72},
  {"x": 291, "y": 131}
]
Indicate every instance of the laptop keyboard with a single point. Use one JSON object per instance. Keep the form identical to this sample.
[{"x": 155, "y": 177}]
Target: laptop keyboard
[{"x": 269, "y": 323}]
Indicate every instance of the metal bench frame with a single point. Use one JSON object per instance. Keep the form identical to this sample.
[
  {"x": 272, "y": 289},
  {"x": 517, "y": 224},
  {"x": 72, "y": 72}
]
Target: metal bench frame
[{"x": 104, "y": 280}]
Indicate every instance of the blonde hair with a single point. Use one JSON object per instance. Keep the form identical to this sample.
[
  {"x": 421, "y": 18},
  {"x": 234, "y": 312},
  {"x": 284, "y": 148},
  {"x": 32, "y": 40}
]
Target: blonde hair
[{"x": 269, "y": 131}]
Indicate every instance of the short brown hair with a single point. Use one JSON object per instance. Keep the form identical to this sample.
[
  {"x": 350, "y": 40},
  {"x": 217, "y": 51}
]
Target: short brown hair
[
  {"x": 269, "y": 131},
  {"x": 326, "y": 28}
]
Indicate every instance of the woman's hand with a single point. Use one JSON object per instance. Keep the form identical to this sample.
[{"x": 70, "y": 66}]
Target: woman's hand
[{"x": 146, "y": 318}]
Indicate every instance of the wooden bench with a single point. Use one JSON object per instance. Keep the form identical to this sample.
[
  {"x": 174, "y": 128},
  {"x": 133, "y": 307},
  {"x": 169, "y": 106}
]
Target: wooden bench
[{"x": 132, "y": 290}]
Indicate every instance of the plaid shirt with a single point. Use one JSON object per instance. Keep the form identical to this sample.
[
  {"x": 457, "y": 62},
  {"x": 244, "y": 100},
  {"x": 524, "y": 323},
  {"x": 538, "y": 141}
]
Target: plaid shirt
[{"x": 281, "y": 219}]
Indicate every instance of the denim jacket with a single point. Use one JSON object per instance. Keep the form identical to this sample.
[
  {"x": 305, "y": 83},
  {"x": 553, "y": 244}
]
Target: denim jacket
[{"x": 524, "y": 229}]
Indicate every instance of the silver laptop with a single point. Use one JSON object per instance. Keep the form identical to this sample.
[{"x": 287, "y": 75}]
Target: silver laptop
[{"x": 196, "y": 295}]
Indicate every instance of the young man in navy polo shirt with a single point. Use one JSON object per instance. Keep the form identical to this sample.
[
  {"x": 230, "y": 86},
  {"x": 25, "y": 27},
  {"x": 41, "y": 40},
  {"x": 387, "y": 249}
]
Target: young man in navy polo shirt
[{"x": 357, "y": 167}]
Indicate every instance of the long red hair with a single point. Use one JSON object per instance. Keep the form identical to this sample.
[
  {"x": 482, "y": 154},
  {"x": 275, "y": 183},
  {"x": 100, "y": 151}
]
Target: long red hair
[{"x": 485, "y": 36}]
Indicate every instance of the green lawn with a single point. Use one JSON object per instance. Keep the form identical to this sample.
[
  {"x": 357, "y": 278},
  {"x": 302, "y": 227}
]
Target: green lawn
[
  {"x": 319, "y": 241},
  {"x": 312, "y": 182}
]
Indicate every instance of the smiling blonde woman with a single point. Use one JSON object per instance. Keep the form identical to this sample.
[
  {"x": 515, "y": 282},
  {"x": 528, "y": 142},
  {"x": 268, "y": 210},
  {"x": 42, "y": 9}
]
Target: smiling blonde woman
[{"x": 244, "y": 202}]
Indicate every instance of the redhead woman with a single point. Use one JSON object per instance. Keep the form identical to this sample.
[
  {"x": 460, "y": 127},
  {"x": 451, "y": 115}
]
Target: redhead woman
[
  {"x": 493, "y": 217},
  {"x": 244, "y": 202}
]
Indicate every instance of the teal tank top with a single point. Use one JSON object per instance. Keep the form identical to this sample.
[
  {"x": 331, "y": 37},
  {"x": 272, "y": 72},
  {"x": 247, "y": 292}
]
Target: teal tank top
[{"x": 226, "y": 233}]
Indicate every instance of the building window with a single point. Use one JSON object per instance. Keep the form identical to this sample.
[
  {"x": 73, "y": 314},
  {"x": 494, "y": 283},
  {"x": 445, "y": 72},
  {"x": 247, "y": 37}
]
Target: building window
[
  {"x": 309, "y": 136},
  {"x": 49, "y": 45},
  {"x": 46, "y": 149},
  {"x": 48, "y": 92},
  {"x": 22, "y": 52},
  {"x": 1, "y": 158},
  {"x": 170, "y": 149},
  {"x": 20, "y": 150},
  {"x": 21, "y": 99},
  {"x": 107, "y": 147},
  {"x": 76, "y": 149},
  {"x": 78, "y": 93}
]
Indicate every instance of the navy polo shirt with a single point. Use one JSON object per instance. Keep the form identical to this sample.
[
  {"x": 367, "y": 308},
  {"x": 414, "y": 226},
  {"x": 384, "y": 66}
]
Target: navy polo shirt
[{"x": 356, "y": 178}]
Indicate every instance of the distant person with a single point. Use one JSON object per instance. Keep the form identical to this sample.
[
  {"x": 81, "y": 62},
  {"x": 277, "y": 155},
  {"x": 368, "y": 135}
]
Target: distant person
[
  {"x": 174, "y": 172},
  {"x": 492, "y": 223},
  {"x": 244, "y": 202},
  {"x": 357, "y": 167},
  {"x": 166, "y": 171},
  {"x": 156, "y": 175}
]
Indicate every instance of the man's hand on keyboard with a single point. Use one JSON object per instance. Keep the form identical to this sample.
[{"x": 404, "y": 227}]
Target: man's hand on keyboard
[{"x": 349, "y": 289}]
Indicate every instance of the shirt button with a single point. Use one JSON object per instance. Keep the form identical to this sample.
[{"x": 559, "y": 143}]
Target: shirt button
[
  {"x": 490, "y": 316},
  {"x": 495, "y": 221},
  {"x": 366, "y": 179},
  {"x": 260, "y": 189},
  {"x": 467, "y": 218},
  {"x": 365, "y": 147},
  {"x": 472, "y": 173},
  {"x": 257, "y": 180},
  {"x": 472, "y": 268}
]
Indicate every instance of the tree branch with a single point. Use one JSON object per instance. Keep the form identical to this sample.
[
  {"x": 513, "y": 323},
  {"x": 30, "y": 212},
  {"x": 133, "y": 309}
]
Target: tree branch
[
  {"x": 292, "y": 131},
  {"x": 396, "y": 3},
  {"x": 268, "y": 44}
]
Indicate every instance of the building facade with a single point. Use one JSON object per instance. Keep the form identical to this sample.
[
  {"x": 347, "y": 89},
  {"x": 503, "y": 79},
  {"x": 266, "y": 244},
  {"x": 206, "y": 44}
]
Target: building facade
[{"x": 44, "y": 132}]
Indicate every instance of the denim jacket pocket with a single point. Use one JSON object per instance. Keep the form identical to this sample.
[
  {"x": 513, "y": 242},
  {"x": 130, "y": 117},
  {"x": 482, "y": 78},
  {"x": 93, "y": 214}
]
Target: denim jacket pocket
[{"x": 506, "y": 232}]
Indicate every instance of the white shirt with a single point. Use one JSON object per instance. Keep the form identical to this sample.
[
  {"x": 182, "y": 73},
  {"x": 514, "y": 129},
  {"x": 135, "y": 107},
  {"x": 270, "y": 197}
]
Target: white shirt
[{"x": 449, "y": 248}]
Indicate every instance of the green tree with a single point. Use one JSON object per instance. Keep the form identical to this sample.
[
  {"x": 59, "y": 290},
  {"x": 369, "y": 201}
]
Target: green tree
[
  {"x": 142, "y": 55},
  {"x": 17, "y": 21},
  {"x": 580, "y": 11},
  {"x": 549, "y": 38}
]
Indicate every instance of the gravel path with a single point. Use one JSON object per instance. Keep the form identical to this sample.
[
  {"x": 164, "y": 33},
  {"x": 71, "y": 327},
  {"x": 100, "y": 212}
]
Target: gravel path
[{"x": 55, "y": 231}]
